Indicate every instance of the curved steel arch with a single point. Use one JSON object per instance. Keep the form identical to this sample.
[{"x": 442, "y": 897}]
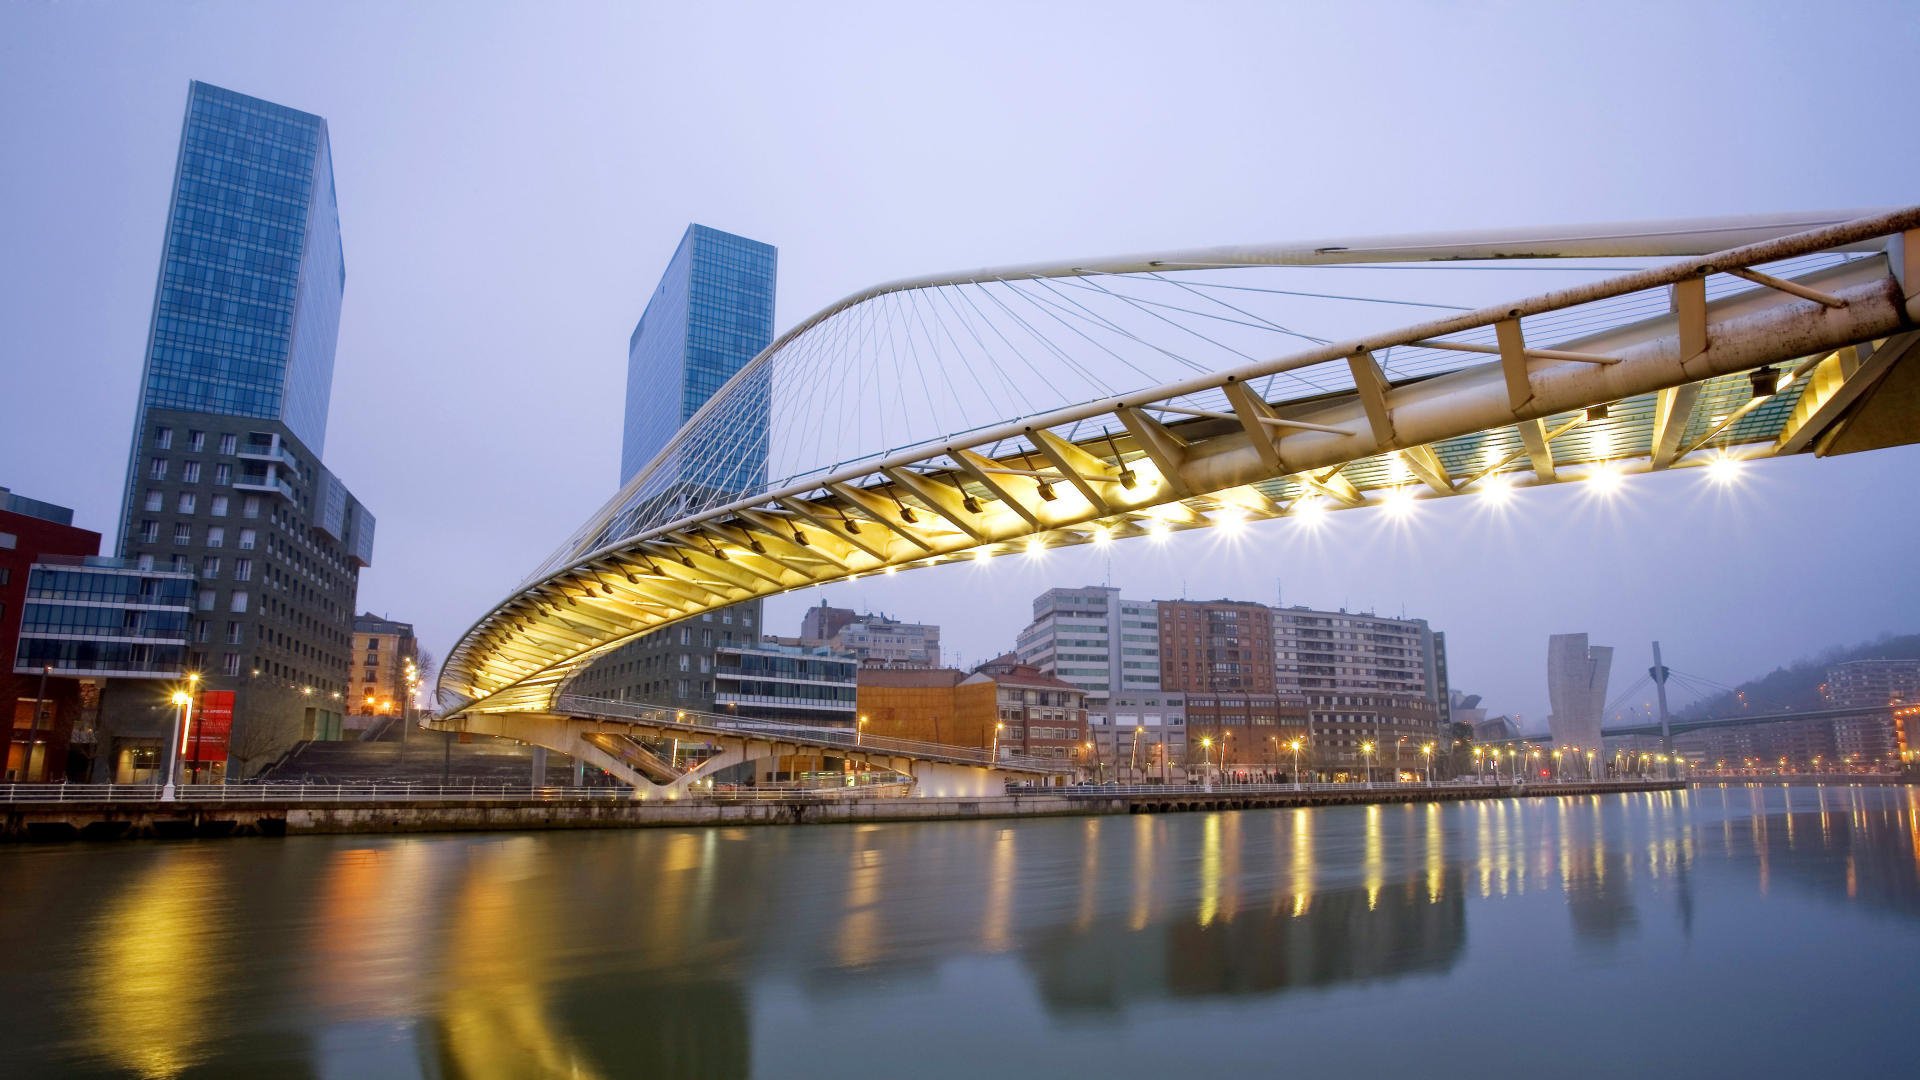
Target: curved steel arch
[{"x": 1211, "y": 448}]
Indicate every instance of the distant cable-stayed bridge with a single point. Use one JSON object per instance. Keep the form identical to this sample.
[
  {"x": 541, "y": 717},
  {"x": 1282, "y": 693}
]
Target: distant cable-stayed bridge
[{"x": 963, "y": 417}]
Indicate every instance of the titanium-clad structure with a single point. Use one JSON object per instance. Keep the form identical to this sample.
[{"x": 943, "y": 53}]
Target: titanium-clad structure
[{"x": 1577, "y": 689}]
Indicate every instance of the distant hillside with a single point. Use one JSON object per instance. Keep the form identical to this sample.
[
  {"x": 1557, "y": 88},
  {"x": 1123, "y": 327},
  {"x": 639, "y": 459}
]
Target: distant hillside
[{"x": 1798, "y": 687}]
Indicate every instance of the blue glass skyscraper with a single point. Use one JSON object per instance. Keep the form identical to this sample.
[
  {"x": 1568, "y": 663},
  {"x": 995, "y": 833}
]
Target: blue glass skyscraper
[
  {"x": 711, "y": 313},
  {"x": 224, "y": 478}
]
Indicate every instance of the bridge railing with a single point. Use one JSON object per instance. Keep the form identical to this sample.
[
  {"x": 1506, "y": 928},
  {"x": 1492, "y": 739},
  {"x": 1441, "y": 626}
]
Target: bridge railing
[
  {"x": 203, "y": 794},
  {"x": 844, "y": 738},
  {"x": 1224, "y": 788}
]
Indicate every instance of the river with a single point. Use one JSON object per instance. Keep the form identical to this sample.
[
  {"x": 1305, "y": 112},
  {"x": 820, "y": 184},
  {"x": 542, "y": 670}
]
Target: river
[{"x": 1726, "y": 931}]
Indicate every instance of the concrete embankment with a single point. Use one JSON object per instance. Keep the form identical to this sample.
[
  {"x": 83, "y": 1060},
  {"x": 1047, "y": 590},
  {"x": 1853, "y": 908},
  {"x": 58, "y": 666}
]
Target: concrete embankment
[{"x": 152, "y": 820}]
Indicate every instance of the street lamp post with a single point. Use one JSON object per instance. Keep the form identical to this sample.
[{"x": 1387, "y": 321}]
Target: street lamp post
[
  {"x": 1206, "y": 762},
  {"x": 1366, "y": 754},
  {"x": 1427, "y": 752},
  {"x": 1295, "y": 746},
  {"x": 182, "y": 701}
]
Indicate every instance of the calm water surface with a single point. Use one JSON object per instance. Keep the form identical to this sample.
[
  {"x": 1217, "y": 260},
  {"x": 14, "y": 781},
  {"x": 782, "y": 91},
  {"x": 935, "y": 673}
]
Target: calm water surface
[{"x": 1736, "y": 931}]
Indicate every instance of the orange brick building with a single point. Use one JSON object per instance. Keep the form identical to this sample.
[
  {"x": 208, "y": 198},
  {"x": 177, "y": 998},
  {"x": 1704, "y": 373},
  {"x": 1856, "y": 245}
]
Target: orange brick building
[
  {"x": 937, "y": 705},
  {"x": 1036, "y": 714}
]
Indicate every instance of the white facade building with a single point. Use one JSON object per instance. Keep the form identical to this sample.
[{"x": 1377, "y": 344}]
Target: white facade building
[{"x": 1093, "y": 639}]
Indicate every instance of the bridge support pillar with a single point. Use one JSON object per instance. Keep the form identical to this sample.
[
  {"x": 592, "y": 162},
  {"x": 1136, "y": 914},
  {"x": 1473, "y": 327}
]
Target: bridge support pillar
[
  {"x": 934, "y": 779},
  {"x": 579, "y": 773},
  {"x": 539, "y": 778}
]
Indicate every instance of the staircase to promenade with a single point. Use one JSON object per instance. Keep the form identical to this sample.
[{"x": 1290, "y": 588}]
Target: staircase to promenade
[{"x": 425, "y": 759}]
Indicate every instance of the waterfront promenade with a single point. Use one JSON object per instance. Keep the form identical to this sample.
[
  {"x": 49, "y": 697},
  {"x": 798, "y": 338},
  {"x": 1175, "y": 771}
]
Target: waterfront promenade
[{"x": 88, "y": 812}]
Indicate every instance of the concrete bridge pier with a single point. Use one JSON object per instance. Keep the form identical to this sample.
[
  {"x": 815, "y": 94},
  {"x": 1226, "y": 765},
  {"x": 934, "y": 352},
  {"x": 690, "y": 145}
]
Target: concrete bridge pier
[
  {"x": 539, "y": 778},
  {"x": 937, "y": 779}
]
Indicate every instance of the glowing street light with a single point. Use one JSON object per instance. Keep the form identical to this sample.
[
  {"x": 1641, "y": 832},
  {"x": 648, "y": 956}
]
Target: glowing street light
[
  {"x": 1366, "y": 752},
  {"x": 182, "y": 700},
  {"x": 1295, "y": 747}
]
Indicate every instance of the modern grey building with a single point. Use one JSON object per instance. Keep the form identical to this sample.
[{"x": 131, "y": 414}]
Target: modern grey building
[
  {"x": 711, "y": 313},
  {"x": 1576, "y": 689},
  {"x": 225, "y": 479}
]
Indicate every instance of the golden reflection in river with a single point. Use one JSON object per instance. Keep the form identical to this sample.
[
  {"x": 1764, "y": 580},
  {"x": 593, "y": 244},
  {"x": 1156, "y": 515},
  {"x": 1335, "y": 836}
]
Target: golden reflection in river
[
  {"x": 1210, "y": 868},
  {"x": 1436, "y": 853},
  {"x": 1373, "y": 865},
  {"x": 996, "y": 933},
  {"x": 496, "y": 1019},
  {"x": 156, "y": 965},
  {"x": 1301, "y": 865},
  {"x": 1913, "y": 827},
  {"x": 858, "y": 944},
  {"x": 1089, "y": 874},
  {"x": 372, "y": 915},
  {"x": 1141, "y": 909}
]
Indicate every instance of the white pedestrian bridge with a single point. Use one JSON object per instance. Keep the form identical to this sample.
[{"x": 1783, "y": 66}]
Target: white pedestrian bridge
[{"x": 964, "y": 417}]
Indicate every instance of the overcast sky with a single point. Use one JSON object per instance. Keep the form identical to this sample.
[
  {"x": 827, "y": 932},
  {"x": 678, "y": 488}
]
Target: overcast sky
[{"x": 513, "y": 178}]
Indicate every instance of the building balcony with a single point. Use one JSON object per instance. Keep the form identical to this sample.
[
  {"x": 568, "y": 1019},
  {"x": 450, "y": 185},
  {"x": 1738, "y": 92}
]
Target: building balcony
[
  {"x": 270, "y": 482},
  {"x": 270, "y": 449}
]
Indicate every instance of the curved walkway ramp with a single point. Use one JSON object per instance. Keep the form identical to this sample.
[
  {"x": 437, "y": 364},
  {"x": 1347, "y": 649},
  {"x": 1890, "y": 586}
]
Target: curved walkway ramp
[{"x": 970, "y": 416}]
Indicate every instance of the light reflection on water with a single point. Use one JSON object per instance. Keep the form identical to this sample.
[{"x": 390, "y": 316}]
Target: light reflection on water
[{"x": 1342, "y": 939}]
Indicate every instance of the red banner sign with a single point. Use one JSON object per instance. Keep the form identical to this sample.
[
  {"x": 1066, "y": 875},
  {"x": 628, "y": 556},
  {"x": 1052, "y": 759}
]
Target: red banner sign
[{"x": 212, "y": 724}]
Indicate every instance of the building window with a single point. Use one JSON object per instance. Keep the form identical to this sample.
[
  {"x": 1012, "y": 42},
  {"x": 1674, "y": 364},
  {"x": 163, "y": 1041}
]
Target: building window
[
  {"x": 250, "y": 507},
  {"x": 8, "y": 541},
  {"x": 187, "y": 502},
  {"x": 210, "y": 567},
  {"x": 178, "y": 564},
  {"x": 145, "y": 562},
  {"x": 183, "y": 533},
  {"x": 155, "y": 502},
  {"x": 229, "y": 443},
  {"x": 239, "y": 601},
  {"x": 216, "y": 536},
  {"x": 219, "y": 506},
  {"x": 246, "y": 539},
  {"x": 233, "y": 638},
  {"x": 163, "y": 437},
  {"x": 158, "y": 469},
  {"x": 190, "y": 472},
  {"x": 223, "y": 475},
  {"x": 243, "y": 569},
  {"x": 230, "y": 663},
  {"x": 206, "y": 600}
]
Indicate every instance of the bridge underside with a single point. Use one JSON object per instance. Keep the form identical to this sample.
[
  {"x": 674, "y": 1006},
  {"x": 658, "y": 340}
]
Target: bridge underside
[
  {"x": 1720, "y": 362},
  {"x": 621, "y": 748}
]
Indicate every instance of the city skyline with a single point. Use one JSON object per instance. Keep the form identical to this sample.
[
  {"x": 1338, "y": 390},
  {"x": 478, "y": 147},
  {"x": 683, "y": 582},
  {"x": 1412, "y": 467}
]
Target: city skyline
[{"x": 431, "y": 390}]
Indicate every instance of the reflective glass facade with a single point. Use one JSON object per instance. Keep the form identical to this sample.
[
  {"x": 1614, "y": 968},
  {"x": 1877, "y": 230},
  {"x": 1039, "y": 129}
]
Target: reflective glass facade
[
  {"x": 99, "y": 617},
  {"x": 711, "y": 313},
  {"x": 247, "y": 309},
  {"x": 226, "y": 481}
]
